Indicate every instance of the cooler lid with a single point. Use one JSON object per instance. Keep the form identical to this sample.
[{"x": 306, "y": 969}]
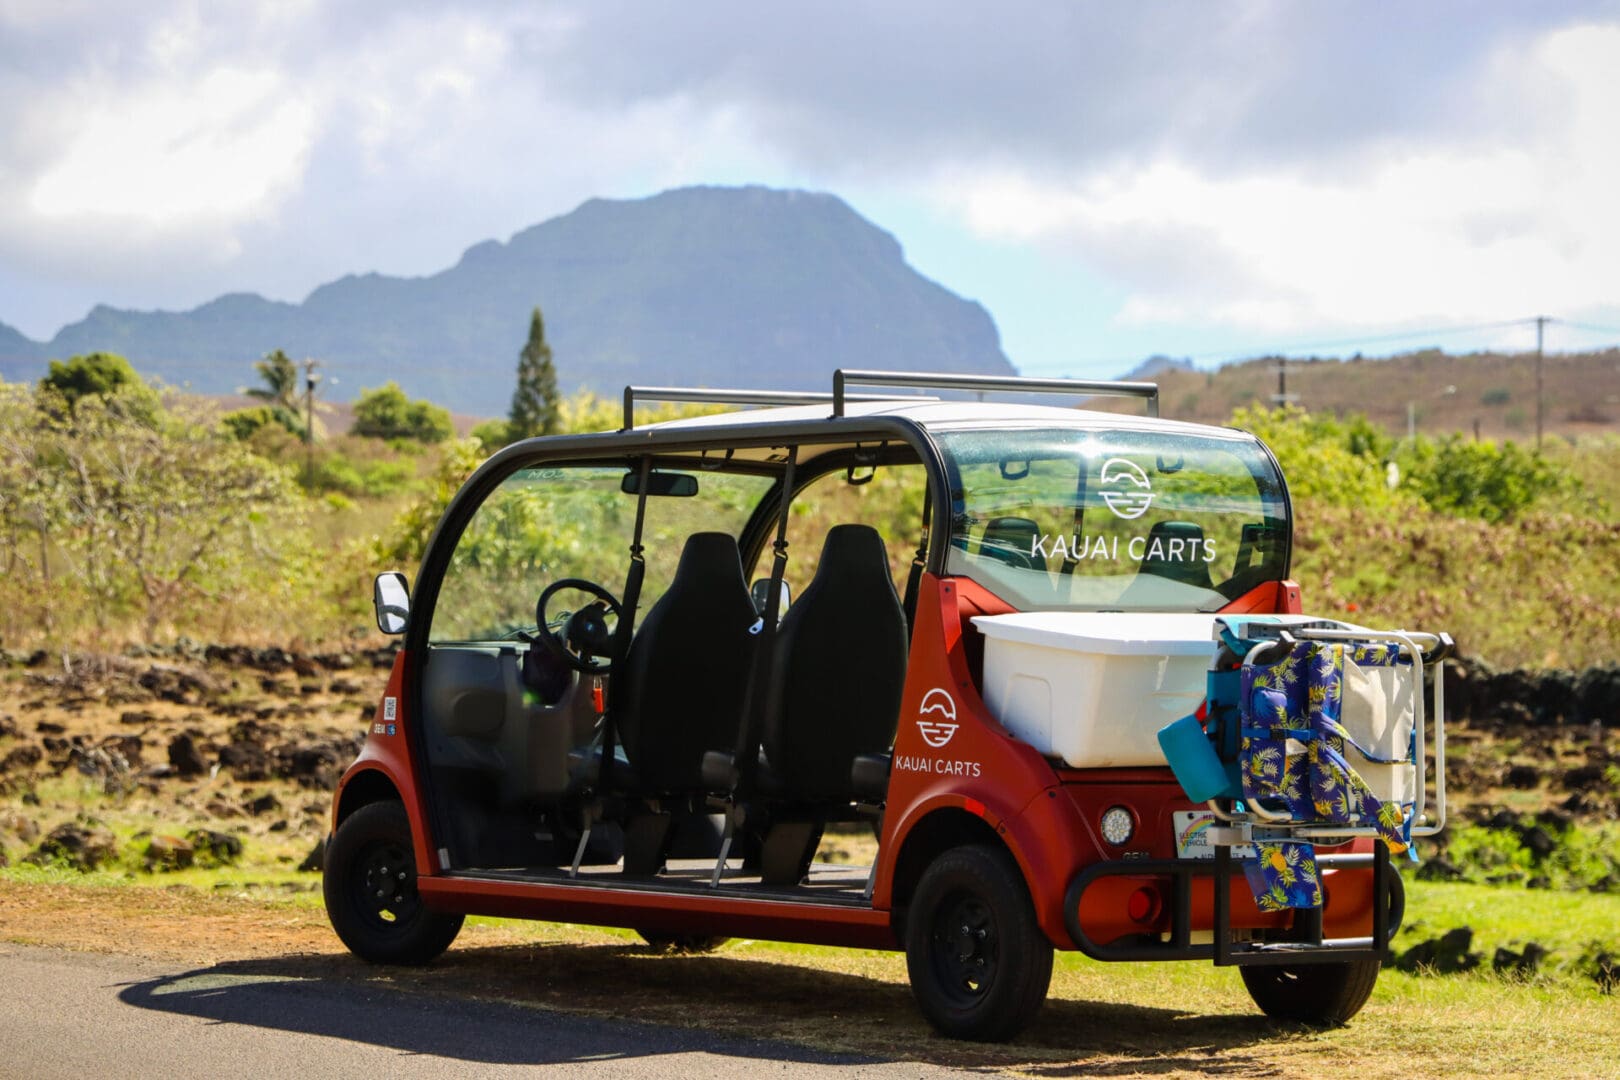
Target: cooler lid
[{"x": 1112, "y": 633}]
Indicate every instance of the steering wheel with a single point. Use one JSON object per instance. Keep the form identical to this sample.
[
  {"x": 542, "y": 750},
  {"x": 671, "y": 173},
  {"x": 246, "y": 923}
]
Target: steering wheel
[{"x": 585, "y": 634}]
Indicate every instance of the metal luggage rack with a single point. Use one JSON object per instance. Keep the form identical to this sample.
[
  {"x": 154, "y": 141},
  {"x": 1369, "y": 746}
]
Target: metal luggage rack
[
  {"x": 915, "y": 380},
  {"x": 1257, "y": 822}
]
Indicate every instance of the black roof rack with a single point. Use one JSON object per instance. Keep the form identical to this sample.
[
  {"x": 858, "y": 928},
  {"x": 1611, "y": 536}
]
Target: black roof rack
[
  {"x": 633, "y": 394},
  {"x": 923, "y": 380},
  {"x": 1005, "y": 383}
]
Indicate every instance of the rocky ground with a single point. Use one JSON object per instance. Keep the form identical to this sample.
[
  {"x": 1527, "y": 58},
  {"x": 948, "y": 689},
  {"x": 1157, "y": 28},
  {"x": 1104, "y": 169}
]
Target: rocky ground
[{"x": 194, "y": 756}]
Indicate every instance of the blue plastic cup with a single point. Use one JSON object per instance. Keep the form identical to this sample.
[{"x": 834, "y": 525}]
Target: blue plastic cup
[{"x": 1193, "y": 759}]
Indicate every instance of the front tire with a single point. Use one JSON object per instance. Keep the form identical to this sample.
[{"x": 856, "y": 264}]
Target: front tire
[
  {"x": 370, "y": 890},
  {"x": 979, "y": 964},
  {"x": 1324, "y": 995}
]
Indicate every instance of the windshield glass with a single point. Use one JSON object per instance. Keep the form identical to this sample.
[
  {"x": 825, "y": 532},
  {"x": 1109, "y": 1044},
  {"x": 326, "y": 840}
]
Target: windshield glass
[
  {"x": 575, "y": 521},
  {"x": 1114, "y": 520}
]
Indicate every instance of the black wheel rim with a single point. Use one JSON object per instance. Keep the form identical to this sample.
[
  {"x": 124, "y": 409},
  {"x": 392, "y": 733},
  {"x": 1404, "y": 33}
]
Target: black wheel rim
[
  {"x": 384, "y": 886},
  {"x": 964, "y": 949}
]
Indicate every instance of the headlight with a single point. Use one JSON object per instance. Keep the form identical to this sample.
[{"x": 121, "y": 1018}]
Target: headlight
[{"x": 1118, "y": 824}]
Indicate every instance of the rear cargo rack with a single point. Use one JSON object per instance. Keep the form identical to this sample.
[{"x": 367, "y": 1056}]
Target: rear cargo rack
[
  {"x": 929, "y": 380},
  {"x": 1306, "y": 941}
]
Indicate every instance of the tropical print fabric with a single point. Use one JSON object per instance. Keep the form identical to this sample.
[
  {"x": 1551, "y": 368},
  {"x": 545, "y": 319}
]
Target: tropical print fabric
[
  {"x": 1293, "y": 749},
  {"x": 1283, "y": 875}
]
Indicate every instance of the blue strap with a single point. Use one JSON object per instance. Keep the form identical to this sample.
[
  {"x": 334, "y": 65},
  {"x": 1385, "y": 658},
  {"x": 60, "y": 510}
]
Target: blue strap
[
  {"x": 1332, "y": 727},
  {"x": 1302, "y": 734}
]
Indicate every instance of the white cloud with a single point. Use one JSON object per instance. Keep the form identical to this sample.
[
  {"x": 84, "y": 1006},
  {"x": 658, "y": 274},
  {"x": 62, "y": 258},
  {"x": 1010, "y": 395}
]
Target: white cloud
[
  {"x": 1452, "y": 232},
  {"x": 226, "y": 145}
]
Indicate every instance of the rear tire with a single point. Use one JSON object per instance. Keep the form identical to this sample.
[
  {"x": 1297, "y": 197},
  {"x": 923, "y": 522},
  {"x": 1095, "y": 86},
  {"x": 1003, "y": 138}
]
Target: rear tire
[
  {"x": 1324, "y": 995},
  {"x": 682, "y": 943},
  {"x": 370, "y": 890},
  {"x": 979, "y": 963}
]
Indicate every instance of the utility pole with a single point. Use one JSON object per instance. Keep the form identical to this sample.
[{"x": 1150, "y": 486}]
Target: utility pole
[
  {"x": 1541, "y": 405},
  {"x": 1282, "y": 396},
  {"x": 310, "y": 379}
]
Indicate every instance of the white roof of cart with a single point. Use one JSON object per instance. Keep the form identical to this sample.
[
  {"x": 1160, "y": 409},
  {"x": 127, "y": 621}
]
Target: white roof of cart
[{"x": 946, "y": 414}]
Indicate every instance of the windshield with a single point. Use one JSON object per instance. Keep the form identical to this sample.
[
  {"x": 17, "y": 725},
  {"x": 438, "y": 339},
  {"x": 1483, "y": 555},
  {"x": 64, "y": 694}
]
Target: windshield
[
  {"x": 1114, "y": 520},
  {"x": 575, "y": 521}
]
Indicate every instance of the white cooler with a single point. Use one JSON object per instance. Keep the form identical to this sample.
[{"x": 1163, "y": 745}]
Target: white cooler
[{"x": 1094, "y": 688}]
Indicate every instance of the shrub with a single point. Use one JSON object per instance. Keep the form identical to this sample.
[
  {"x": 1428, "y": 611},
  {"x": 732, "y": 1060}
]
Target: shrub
[
  {"x": 386, "y": 413},
  {"x": 332, "y": 472},
  {"x": 1495, "y": 482},
  {"x": 407, "y": 540},
  {"x": 106, "y": 376},
  {"x": 243, "y": 424},
  {"x": 1325, "y": 459},
  {"x": 492, "y": 434}
]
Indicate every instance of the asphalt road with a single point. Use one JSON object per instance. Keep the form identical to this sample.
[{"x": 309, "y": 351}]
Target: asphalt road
[{"x": 65, "y": 1014}]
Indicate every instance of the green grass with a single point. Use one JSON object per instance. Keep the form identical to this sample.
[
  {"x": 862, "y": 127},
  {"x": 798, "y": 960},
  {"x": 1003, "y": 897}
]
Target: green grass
[{"x": 1567, "y": 923}]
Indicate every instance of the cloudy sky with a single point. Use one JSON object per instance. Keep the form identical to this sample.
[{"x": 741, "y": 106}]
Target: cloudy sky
[{"x": 1110, "y": 180}]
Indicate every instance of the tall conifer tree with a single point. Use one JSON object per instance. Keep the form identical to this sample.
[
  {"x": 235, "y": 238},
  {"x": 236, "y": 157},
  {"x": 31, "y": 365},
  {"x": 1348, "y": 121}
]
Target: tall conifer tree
[{"x": 534, "y": 402}]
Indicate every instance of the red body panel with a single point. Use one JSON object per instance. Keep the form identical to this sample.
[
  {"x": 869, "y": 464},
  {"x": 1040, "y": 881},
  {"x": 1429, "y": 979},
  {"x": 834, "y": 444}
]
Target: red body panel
[
  {"x": 387, "y": 750},
  {"x": 666, "y": 912}
]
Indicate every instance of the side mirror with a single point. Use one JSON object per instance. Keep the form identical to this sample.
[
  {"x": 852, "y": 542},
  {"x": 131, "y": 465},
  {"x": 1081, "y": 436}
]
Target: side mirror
[
  {"x": 760, "y": 591},
  {"x": 391, "y": 596}
]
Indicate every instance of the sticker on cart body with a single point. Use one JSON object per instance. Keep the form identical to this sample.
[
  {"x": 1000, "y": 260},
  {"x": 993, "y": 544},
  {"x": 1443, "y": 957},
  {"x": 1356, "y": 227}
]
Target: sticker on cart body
[{"x": 1192, "y": 836}]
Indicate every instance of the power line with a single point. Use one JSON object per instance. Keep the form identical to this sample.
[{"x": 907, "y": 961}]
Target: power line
[
  {"x": 1374, "y": 339},
  {"x": 1371, "y": 339},
  {"x": 1591, "y": 327}
]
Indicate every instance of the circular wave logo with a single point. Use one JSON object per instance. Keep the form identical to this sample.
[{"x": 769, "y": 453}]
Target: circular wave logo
[
  {"x": 1126, "y": 488},
  {"x": 936, "y": 719}
]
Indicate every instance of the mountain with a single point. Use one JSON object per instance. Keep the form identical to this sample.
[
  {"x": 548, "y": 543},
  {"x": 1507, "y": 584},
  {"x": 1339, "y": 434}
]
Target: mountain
[
  {"x": 1157, "y": 365},
  {"x": 18, "y": 355},
  {"x": 746, "y": 287}
]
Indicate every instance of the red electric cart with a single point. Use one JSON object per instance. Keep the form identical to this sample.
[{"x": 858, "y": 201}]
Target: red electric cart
[{"x": 967, "y": 622}]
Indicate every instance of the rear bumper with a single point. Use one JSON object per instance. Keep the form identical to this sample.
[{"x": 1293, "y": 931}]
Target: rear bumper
[{"x": 1303, "y": 942}]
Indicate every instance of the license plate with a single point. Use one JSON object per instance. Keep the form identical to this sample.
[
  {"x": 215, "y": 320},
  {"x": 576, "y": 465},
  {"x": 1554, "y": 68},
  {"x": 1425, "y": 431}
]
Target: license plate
[{"x": 1192, "y": 836}]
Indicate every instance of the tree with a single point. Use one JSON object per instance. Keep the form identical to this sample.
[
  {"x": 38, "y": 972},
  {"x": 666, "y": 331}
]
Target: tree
[
  {"x": 280, "y": 390},
  {"x": 386, "y": 413},
  {"x": 280, "y": 377},
  {"x": 107, "y": 376},
  {"x": 534, "y": 402},
  {"x": 146, "y": 513}
]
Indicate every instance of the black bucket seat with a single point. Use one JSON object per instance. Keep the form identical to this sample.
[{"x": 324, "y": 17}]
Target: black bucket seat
[
  {"x": 839, "y": 672},
  {"x": 681, "y": 690}
]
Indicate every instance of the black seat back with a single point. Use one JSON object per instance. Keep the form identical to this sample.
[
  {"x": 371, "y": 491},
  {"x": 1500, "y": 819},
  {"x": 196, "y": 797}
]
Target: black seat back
[
  {"x": 681, "y": 690},
  {"x": 1011, "y": 540},
  {"x": 840, "y": 668},
  {"x": 1175, "y": 551}
]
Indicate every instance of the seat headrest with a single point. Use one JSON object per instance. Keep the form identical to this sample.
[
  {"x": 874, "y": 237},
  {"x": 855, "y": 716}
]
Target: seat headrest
[
  {"x": 1175, "y": 552},
  {"x": 1186, "y": 530},
  {"x": 1010, "y": 540},
  {"x": 853, "y": 551},
  {"x": 709, "y": 560}
]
